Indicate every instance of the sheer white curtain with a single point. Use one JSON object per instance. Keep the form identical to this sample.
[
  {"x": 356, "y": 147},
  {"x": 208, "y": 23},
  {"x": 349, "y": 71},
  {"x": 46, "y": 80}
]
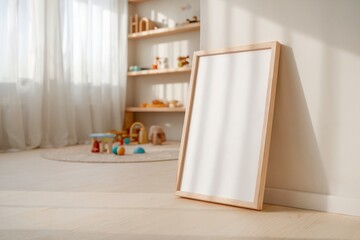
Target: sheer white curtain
[{"x": 62, "y": 70}]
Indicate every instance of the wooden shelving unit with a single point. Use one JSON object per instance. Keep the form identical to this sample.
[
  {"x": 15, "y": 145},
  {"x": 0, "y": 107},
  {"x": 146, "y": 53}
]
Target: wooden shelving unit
[
  {"x": 160, "y": 109},
  {"x": 159, "y": 71},
  {"x": 165, "y": 31},
  {"x": 139, "y": 42}
]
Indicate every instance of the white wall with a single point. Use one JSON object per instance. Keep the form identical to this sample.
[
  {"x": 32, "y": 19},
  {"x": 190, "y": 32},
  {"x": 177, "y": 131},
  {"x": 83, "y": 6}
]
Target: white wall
[
  {"x": 315, "y": 149},
  {"x": 143, "y": 52}
]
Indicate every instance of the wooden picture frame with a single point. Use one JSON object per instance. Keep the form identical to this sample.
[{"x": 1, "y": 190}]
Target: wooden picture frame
[{"x": 227, "y": 128}]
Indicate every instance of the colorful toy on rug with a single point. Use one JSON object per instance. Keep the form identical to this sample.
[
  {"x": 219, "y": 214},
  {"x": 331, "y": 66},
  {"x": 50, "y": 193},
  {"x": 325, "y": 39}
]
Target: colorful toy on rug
[
  {"x": 118, "y": 150},
  {"x": 118, "y": 136},
  {"x": 138, "y": 133},
  {"x": 95, "y": 146},
  {"x": 139, "y": 150},
  {"x": 114, "y": 149},
  {"x": 127, "y": 141},
  {"x": 101, "y": 142},
  {"x": 156, "y": 135}
]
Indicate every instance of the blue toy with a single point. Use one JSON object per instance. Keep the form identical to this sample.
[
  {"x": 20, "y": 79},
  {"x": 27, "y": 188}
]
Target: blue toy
[
  {"x": 115, "y": 149},
  {"x": 127, "y": 141},
  {"x": 139, "y": 150}
]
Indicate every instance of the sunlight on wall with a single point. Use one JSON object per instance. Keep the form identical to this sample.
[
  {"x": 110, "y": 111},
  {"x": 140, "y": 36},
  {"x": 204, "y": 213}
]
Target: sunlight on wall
[
  {"x": 162, "y": 18},
  {"x": 153, "y": 15},
  {"x": 171, "y": 91},
  {"x": 171, "y": 50},
  {"x": 316, "y": 121}
]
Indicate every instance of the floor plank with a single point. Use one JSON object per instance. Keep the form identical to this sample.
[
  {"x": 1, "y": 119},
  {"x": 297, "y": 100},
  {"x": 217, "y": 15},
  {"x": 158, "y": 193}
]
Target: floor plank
[{"x": 44, "y": 199}]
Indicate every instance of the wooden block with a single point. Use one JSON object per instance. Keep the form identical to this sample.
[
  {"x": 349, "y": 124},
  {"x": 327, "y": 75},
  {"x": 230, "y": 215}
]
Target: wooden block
[
  {"x": 134, "y": 24},
  {"x": 146, "y": 25}
]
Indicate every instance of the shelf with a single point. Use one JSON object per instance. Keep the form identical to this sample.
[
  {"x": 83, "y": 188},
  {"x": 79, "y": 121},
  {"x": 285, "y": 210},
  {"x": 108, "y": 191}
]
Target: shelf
[
  {"x": 160, "y": 109},
  {"x": 158, "y": 71},
  {"x": 165, "y": 31},
  {"x": 137, "y": 1}
]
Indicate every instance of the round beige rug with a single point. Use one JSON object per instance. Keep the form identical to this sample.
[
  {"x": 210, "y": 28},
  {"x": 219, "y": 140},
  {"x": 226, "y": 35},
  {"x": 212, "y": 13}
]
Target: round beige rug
[{"x": 82, "y": 153}]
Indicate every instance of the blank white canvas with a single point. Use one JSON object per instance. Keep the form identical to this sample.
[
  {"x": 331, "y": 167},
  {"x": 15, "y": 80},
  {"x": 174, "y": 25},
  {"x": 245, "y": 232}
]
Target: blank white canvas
[{"x": 226, "y": 126}]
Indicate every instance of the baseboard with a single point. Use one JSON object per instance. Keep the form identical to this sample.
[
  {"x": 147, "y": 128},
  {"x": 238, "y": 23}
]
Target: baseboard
[{"x": 313, "y": 201}]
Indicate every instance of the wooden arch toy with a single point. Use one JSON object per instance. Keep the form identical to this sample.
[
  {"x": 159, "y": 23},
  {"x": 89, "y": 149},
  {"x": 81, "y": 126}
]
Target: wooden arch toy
[{"x": 141, "y": 136}]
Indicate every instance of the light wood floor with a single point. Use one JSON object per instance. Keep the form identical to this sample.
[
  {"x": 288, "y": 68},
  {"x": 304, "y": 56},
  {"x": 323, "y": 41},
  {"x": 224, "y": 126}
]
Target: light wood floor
[{"x": 43, "y": 199}]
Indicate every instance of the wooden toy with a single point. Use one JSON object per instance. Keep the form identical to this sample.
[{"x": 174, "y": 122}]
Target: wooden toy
[
  {"x": 106, "y": 140},
  {"x": 143, "y": 105},
  {"x": 124, "y": 133},
  {"x": 155, "y": 64},
  {"x": 138, "y": 133},
  {"x": 118, "y": 136},
  {"x": 139, "y": 150},
  {"x": 173, "y": 104},
  {"x": 156, "y": 135},
  {"x": 95, "y": 146},
  {"x": 142, "y": 136},
  {"x": 161, "y": 63},
  {"x": 154, "y": 104},
  {"x": 134, "y": 24},
  {"x": 135, "y": 68},
  {"x": 146, "y": 25},
  {"x": 183, "y": 61},
  {"x": 156, "y": 101},
  {"x": 193, "y": 20},
  {"x": 121, "y": 135}
]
